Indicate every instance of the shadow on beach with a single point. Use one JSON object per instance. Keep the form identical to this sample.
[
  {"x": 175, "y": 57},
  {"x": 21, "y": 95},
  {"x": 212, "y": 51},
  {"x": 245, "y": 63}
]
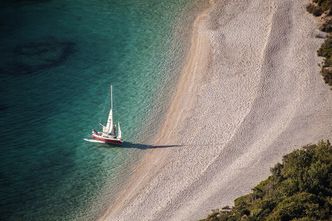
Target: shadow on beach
[{"x": 146, "y": 146}]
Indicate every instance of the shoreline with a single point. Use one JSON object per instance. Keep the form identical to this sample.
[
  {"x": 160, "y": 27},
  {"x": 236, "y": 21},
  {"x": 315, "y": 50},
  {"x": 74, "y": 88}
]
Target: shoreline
[
  {"x": 153, "y": 158},
  {"x": 245, "y": 97}
]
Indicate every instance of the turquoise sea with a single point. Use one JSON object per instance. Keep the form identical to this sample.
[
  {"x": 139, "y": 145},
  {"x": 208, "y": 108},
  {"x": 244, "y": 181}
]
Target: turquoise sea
[{"x": 58, "y": 59}]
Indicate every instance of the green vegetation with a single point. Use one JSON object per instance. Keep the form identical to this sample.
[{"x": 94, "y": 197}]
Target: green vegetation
[
  {"x": 326, "y": 26},
  {"x": 323, "y": 8},
  {"x": 314, "y": 9},
  {"x": 299, "y": 189},
  {"x": 326, "y": 52},
  {"x": 318, "y": 7}
]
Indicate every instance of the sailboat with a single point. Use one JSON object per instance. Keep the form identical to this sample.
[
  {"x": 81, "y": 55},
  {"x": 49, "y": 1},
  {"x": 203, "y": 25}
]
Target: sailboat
[{"x": 110, "y": 133}]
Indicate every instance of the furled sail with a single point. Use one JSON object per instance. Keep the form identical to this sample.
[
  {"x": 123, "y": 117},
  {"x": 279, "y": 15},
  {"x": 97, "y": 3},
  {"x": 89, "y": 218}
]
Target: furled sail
[{"x": 119, "y": 131}]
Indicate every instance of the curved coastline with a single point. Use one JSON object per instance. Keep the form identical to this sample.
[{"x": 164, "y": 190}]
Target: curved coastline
[
  {"x": 152, "y": 161},
  {"x": 246, "y": 96}
]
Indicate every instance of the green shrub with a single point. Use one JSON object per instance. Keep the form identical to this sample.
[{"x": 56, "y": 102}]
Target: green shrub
[
  {"x": 326, "y": 52},
  {"x": 326, "y": 26},
  {"x": 315, "y": 10},
  {"x": 325, "y": 5},
  {"x": 299, "y": 206},
  {"x": 326, "y": 49},
  {"x": 327, "y": 76}
]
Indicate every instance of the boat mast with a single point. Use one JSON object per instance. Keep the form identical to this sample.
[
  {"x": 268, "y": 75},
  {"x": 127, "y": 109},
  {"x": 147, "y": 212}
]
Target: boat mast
[
  {"x": 111, "y": 98},
  {"x": 109, "y": 125}
]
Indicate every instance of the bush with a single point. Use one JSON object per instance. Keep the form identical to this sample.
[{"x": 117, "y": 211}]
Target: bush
[
  {"x": 327, "y": 75},
  {"x": 315, "y": 10},
  {"x": 325, "y": 5},
  {"x": 326, "y": 26},
  {"x": 301, "y": 205},
  {"x": 326, "y": 49},
  {"x": 326, "y": 52}
]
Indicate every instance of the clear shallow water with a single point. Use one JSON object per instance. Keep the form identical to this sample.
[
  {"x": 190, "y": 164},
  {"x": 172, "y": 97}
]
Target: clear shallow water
[{"x": 57, "y": 61}]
